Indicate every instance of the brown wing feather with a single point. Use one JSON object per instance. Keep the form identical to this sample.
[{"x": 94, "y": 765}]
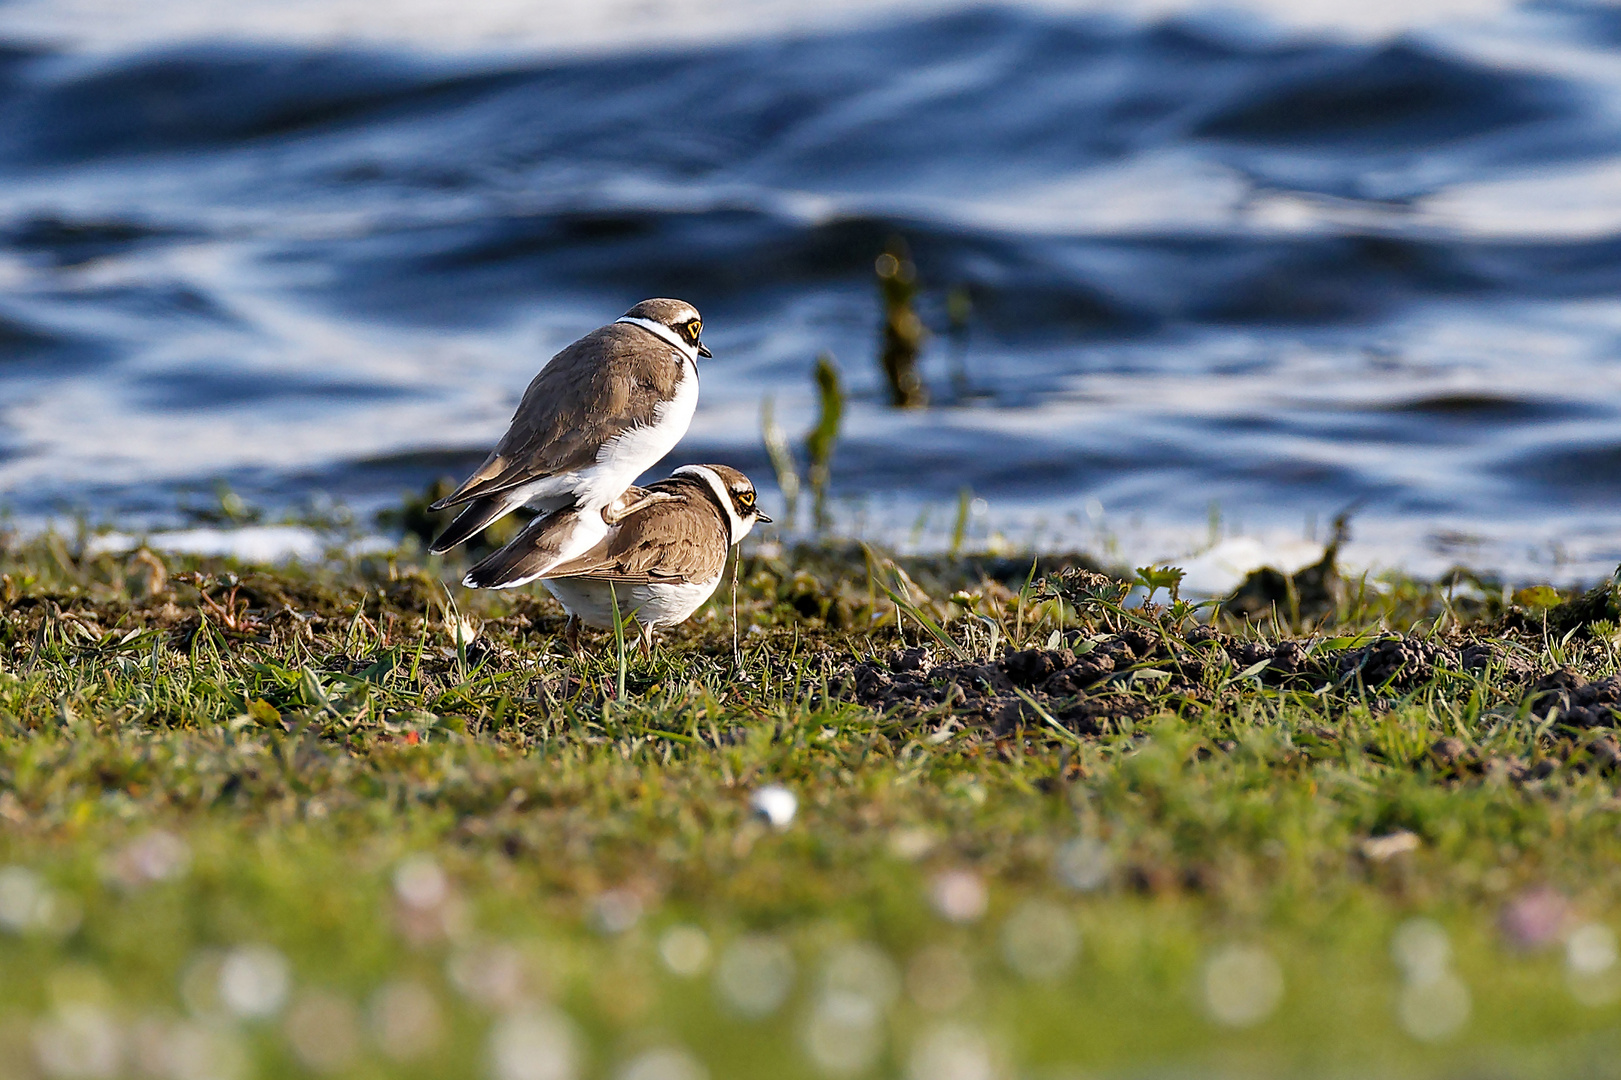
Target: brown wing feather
[
  {"x": 573, "y": 406},
  {"x": 680, "y": 541}
]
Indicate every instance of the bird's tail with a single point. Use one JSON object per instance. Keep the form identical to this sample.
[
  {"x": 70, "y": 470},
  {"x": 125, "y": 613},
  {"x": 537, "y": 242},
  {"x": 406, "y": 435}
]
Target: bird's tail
[
  {"x": 472, "y": 519},
  {"x": 543, "y": 543}
]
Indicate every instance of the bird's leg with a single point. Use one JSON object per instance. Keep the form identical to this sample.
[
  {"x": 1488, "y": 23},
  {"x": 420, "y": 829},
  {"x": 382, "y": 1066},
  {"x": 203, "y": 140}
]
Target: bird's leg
[
  {"x": 614, "y": 516},
  {"x": 571, "y": 633}
]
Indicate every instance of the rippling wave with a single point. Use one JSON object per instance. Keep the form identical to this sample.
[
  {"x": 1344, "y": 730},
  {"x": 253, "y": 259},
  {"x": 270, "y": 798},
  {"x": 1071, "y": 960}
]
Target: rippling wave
[{"x": 1278, "y": 274}]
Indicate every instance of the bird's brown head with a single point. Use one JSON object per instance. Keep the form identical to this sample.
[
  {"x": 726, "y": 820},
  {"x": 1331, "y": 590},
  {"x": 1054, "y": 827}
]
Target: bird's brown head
[
  {"x": 680, "y": 318},
  {"x": 734, "y": 492}
]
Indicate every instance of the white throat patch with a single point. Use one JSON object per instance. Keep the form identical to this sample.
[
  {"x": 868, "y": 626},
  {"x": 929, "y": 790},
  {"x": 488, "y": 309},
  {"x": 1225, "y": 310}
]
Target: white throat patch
[
  {"x": 662, "y": 331},
  {"x": 737, "y": 526}
]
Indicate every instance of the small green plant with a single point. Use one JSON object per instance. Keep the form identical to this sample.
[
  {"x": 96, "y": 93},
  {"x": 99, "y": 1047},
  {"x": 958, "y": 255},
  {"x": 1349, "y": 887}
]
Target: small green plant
[
  {"x": 623, "y": 660},
  {"x": 892, "y": 582},
  {"x": 821, "y": 440},
  {"x": 959, "y": 527},
  {"x": 782, "y": 462},
  {"x": 1153, "y": 578},
  {"x": 903, "y": 332},
  {"x": 1538, "y": 598}
]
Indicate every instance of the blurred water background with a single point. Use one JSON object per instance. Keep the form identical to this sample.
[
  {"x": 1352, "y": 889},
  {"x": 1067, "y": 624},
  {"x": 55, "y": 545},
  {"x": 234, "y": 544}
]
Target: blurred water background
[{"x": 1229, "y": 271}]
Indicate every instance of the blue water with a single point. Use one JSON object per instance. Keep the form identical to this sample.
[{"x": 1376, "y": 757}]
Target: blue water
[{"x": 1214, "y": 266}]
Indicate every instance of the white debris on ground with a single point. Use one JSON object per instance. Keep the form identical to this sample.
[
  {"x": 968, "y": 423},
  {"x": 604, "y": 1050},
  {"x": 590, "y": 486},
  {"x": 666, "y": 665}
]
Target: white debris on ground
[
  {"x": 776, "y": 804},
  {"x": 1219, "y": 570}
]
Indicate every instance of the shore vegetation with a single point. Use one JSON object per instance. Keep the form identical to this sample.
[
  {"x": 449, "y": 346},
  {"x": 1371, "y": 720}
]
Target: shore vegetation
[{"x": 957, "y": 818}]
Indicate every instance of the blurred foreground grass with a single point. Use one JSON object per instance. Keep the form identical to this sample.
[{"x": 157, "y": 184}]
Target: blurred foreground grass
[{"x": 340, "y": 821}]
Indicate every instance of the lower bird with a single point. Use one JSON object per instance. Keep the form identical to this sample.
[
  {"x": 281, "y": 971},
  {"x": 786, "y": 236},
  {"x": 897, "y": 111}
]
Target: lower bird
[{"x": 660, "y": 560}]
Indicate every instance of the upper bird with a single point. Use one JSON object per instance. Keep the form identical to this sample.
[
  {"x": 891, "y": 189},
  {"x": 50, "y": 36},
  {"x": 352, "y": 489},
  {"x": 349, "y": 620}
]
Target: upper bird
[{"x": 600, "y": 413}]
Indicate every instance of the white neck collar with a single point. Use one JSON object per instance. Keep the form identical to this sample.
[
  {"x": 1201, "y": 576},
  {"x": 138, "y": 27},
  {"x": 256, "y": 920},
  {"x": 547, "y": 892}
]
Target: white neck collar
[
  {"x": 661, "y": 331},
  {"x": 737, "y": 527}
]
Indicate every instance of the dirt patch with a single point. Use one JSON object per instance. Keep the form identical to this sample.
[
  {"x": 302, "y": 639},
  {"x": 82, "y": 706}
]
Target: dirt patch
[
  {"x": 1002, "y": 695},
  {"x": 1566, "y": 695},
  {"x": 1092, "y": 684}
]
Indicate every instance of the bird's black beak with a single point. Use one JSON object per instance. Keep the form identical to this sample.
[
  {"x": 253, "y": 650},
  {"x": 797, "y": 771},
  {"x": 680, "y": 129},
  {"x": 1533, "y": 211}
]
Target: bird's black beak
[
  {"x": 761, "y": 518},
  {"x": 703, "y": 350}
]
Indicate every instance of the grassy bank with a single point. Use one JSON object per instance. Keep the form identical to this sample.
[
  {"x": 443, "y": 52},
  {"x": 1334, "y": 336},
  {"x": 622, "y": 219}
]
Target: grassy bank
[{"x": 343, "y": 821}]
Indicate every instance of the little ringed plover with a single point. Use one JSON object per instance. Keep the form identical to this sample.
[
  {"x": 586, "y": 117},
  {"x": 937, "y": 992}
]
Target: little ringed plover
[
  {"x": 601, "y": 412},
  {"x": 657, "y": 563}
]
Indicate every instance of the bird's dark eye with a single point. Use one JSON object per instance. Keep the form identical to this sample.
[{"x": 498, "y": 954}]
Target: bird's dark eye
[
  {"x": 693, "y": 329},
  {"x": 746, "y": 498}
]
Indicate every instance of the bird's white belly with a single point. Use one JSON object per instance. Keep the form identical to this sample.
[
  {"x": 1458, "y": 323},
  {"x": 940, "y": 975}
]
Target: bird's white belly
[
  {"x": 619, "y": 461},
  {"x": 653, "y": 605},
  {"x": 626, "y": 456}
]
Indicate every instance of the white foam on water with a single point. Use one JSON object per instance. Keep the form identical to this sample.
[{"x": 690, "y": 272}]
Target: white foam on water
[{"x": 250, "y": 543}]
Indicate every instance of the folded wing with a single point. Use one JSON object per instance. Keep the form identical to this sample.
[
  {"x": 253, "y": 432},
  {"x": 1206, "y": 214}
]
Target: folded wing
[
  {"x": 680, "y": 541},
  {"x": 576, "y": 403}
]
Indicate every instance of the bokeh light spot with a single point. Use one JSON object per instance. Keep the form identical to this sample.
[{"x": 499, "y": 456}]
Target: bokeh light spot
[
  {"x": 1040, "y": 940},
  {"x": 534, "y": 1045},
  {"x": 863, "y": 969},
  {"x": 951, "y": 1053},
  {"x": 489, "y": 975},
  {"x": 843, "y": 1035},
  {"x": 685, "y": 951},
  {"x": 187, "y": 1051},
  {"x": 1590, "y": 965},
  {"x": 154, "y": 857},
  {"x": 405, "y": 1019},
  {"x": 323, "y": 1029},
  {"x": 616, "y": 911},
  {"x": 755, "y": 975},
  {"x": 1434, "y": 1010},
  {"x": 1243, "y": 985},
  {"x": 664, "y": 1063},
  {"x": 1083, "y": 864},
  {"x": 28, "y": 904},
  {"x": 959, "y": 895},
  {"x": 79, "y": 1041},
  {"x": 1590, "y": 949},
  {"x": 939, "y": 979},
  {"x": 254, "y": 981},
  {"x": 1422, "y": 950}
]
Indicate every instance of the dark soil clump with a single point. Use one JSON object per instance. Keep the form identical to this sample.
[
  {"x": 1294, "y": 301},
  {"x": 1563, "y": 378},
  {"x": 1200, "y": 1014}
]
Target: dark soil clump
[
  {"x": 1094, "y": 684},
  {"x": 1580, "y": 704},
  {"x": 1009, "y": 693}
]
